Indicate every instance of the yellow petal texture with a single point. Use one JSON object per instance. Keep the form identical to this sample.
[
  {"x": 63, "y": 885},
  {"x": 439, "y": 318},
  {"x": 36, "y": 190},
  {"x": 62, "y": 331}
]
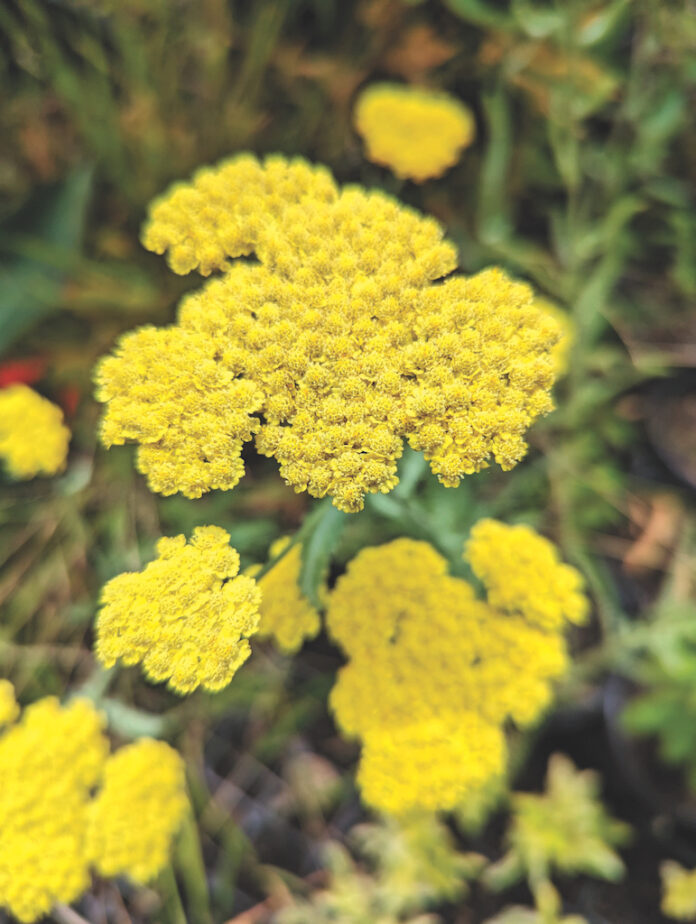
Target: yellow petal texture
[
  {"x": 187, "y": 617},
  {"x": 331, "y": 350},
  {"x": 49, "y": 762},
  {"x": 417, "y": 133},
  {"x": 137, "y": 811},
  {"x": 433, "y": 675},
  {"x": 522, "y": 574},
  {"x": 561, "y": 351},
  {"x": 33, "y": 438},
  {"x": 287, "y": 616},
  {"x": 9, "y": 710}
]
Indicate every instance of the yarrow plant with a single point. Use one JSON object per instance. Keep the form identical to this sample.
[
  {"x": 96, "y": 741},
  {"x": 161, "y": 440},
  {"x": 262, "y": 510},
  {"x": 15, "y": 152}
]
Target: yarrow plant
[
  {"x": 67, "y": 806},
  {"x": 187, "y": 617},
  {"x": 33, "y": 438},
  {"x": 435, "y": 673},
  {"x": 344, "y": 339},
  {"x": 390, "y": 115}
]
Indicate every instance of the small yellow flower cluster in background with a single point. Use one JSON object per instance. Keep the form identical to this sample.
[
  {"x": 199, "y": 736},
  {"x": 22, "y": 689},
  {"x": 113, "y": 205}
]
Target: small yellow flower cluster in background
[
  {"x": 9, "y": 710},
  {"x": 330, "y": 351},
  {"x": 287, "y": 616},
  {"x": 187, "y": 617},
  {"x": 678, "y": 891},
  {"x": 434, "y": 674},
  {"x": 137, "y": 811},
  {"x": 523, "y": 575},
  {"x": 52, "y": 827},
  {"x": 417, "y": 133},
  {"x": 33, "y": 438},
  {"x": 561, "y": 351}
]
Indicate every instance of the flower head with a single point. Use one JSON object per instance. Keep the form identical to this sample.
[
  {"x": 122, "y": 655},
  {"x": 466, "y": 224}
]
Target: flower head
[
  {"x": 287, "y": 616},
  {"x": 417, "y": 133},
  {"x": 49, "y": 762},
  {"x": 137, "y": 811},
  {"x": 187, "y": 617},
  {"x": 33, "y": 439},
  {"x": 522, "y": 574},
  {"x": 330, "y": 351},
  {"x": 433, "y": 675}
]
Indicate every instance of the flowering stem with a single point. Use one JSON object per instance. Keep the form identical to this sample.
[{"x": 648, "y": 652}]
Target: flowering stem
[{"x": 66, "y": 915}]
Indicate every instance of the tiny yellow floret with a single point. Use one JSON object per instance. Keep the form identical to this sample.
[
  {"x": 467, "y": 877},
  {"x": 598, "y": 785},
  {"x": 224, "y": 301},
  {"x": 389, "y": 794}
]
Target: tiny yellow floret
[
  {"x": 33, "y": 438},
  {"x": 9, "y": 710},
  {"x": 522, "y": 574},
  {"x": 137, "y": 811},
  {"x": 287, "y": 616},
  {"x": 343, "y": 340},
  {"x": 417, "y": 133},
  {"x": 434, "y": 674},
  {"x": 678, "y": 891},
  {"x": 187, "y": 617},
  {"x": 49, "y": 763}
]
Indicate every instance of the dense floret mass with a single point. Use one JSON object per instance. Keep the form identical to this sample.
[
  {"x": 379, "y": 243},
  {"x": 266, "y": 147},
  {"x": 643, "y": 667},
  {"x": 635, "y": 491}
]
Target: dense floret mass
[
  {"x": 433, "y": 675},
  {"x": 678, "y": 891},
  {"x": 49, "y": 762},
  {"x": 287, "y": 616},
  {"x": 33, "y": 438},
  {"x": 523, "y": 575},
  {"x": 330, "y": 351},
  {"x": 417, "y": 133},
  {"x": 137, "y": 811},
  {"x": 187, "y": 617},
  {"x": 53, "y": 827}
]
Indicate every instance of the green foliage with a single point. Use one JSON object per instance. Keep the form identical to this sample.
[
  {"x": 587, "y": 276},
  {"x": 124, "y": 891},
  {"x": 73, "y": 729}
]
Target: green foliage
[
  {"x": 412, "y": 865},
  {"x": 565, "y": 830}
]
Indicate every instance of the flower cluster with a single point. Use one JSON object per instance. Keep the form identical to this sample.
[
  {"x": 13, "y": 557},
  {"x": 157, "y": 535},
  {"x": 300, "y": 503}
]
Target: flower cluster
[
  {"x": 137, "y": 811},
  {"x": 33, "y": 439},
  {"x": 561, "y": 351},
  {"x": 678, "y": 891},
  {"x": 434, "y": 673},
  {"x": 187, "y": 617},
  {"x": 330, "y": 351},
  {"x": 287, "y": 616},
  {"x": 52, "y": 827},
  {"x": 391, "y": 116}
]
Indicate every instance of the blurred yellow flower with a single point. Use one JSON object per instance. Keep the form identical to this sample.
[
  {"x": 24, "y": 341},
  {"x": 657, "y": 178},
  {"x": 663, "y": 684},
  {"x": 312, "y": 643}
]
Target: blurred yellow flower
[
  {"x": 9, "y": 710},
  {"x": 187, "y": 617},
  {"x": 678, "y": 891},
  {"x": 417, "y": 133},
  {"x": 137, "y": 811},
  {"x": 331, "y": 351},
  {"x": 434, "y": 674},
  {"x": 561, "y": 350},
  {"x": 49, "y": 762},
  {"x": 522, "y": 574},
  {"x": 33, "y": 438},
  {"x": 287, "y": 616}
]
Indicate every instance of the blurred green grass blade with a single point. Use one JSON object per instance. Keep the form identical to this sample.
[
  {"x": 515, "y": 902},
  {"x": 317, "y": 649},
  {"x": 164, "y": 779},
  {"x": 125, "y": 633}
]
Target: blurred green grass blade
[
  {"x": 318, "y": 548},
  {"x": 494, "y": 198},
  {"x": 480, "y": 13},
  {"x": 54, "y": 218}
]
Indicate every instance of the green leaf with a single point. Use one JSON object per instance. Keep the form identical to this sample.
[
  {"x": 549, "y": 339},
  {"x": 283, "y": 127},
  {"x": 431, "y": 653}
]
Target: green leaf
[
  {"x": 38, "y": 247},
  {"x": 318, "y": 547},
  {"x": 480, "y": 13}
]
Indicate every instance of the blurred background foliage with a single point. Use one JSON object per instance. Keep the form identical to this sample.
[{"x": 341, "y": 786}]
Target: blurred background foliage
[{"x": 580, "y": 181}]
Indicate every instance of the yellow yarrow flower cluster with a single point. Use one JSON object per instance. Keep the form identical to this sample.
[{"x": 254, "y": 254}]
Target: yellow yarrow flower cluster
[
  {"x": 33, "y": 438},
  {"x": 330, "y": 351},
  {"x": 417, "y": 133},
  {"x": 678, "y": 891},
  {"x": 561, "y": 351},
  {"x": 287, "y": 616},
  {"x": 434, "y": 674},
  {"x": 137, "y": 811},
  {"x": 523, "y": 575},
  {"x": 55, "y": 820},
  {"x": 187, "y": 617}
]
